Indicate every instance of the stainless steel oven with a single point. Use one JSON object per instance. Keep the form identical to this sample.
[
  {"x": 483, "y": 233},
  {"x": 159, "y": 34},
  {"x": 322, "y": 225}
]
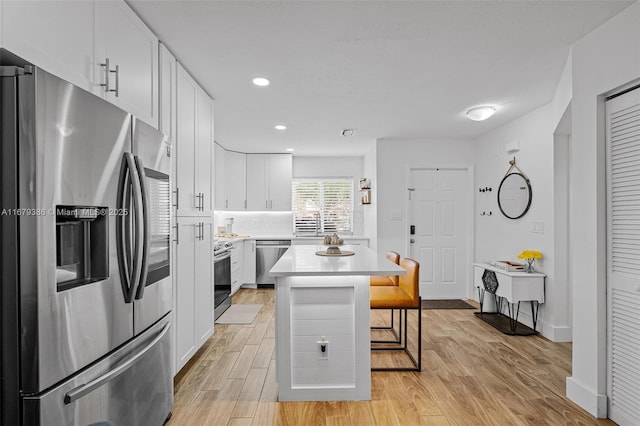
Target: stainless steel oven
[{"x": 222, "y": 278}]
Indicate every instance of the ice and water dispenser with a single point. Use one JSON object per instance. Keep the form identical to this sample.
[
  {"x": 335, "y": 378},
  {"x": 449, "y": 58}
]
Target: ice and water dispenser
[{"x": 82, "y": 245}]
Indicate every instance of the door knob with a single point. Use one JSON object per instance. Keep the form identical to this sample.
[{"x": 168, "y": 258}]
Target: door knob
[{"x": 412, "y": 241}]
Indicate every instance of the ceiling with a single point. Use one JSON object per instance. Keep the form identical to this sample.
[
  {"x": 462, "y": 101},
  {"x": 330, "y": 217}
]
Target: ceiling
[{"x": 389, "y": 69}]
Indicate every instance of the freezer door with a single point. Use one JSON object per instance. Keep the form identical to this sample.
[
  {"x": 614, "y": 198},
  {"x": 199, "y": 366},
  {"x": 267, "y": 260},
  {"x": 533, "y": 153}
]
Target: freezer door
[
  {"x": 151, "y": 146},
  {"x": 134, "y": 386},
  {"x": 73, "y": 310}
]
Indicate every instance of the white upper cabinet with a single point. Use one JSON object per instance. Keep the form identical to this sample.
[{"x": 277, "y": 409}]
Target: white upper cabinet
[
  {"x": 194, "y": 148},
  {"x": 167, "y": 93},
  {"x": 236, "y": 181},
  {"x": 74, "y": 39},
  {"x": 131, "y": 50},
  {"x": 220, "y": 177},
  {"x": 280, "y": 177},
  {"x": 269, "y": 182},
  {"x": 57, "y": 36},
  {"x": 230, "y": 179},
  {"x": 257, "y": 187},
  {"x": 204, "y": 152}
]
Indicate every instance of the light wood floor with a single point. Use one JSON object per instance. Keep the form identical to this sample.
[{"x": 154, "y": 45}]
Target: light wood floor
[{"x": 472, "y": 375}]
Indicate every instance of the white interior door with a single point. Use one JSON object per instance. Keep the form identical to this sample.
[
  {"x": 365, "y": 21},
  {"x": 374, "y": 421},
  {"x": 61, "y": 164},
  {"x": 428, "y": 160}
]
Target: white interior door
[
  {"x": 437, "y": 209},
  {"x": 623, "y": 263}
]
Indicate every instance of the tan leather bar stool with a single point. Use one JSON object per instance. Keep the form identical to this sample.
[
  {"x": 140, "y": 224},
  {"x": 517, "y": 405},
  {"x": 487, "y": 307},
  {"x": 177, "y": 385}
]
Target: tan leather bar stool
[
  {"x": 386, "y": 280},
  {"x": 404, "y": 296},
  {"x": 376, "y": 280}
]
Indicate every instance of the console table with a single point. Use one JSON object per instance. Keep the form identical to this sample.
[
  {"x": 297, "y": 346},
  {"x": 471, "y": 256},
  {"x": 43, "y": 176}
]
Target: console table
[{"x": 513, "y": 287}]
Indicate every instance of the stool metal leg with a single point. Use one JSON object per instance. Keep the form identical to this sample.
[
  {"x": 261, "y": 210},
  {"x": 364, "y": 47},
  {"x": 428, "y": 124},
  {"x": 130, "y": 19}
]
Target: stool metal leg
[
  {"x": 397, "y": 335},
  {"x": 404, "y": 346}
]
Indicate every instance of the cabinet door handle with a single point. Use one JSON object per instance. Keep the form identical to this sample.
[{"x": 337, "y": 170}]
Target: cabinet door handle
[
  {"x": 117, "y": 72},
  {"x": 106, "y": 75},
  {"x": 245, "y": 204},
  {"x": 202, "y": 200},
  {"x": 266, "y": 205},
  {"x": 226, "y": 204},
  {"x": 177, "y": 240},
  {"x": 270, "y": 204},
  {"x": 177, "y": 192}
]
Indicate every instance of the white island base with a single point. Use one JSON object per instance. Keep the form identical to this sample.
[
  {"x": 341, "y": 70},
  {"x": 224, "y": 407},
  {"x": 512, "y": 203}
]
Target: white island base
[{"x": 325, "y": 298}]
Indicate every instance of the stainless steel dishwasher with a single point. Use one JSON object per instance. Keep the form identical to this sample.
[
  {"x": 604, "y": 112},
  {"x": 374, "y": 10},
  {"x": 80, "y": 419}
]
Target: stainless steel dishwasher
[{"x": 267, "y": 254}]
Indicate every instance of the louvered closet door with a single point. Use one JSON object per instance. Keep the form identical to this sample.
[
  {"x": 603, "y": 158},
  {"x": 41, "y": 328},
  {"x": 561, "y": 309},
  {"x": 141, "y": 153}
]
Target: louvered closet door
[{"x": 623, "y": 270}]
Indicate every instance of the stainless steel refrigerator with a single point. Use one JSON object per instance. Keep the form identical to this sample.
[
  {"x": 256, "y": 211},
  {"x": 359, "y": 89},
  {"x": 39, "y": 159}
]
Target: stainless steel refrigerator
[{"x": 84, "y": 231}]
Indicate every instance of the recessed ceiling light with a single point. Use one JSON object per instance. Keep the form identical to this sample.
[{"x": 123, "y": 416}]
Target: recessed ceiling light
[
  {"x": 289, "y": 149},
  {"x": 260, "y": 81},
  {"x": 480, "y": 113},
  {"x": 348, "y": 132},
  {"x": 280, "y": 127}
]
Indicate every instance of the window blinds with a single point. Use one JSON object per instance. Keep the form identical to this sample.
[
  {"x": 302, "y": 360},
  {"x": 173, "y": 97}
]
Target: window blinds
[{"x": 325, "y": 205}]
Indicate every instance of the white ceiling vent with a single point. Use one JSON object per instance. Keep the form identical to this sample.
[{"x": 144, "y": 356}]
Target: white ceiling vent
[{"x": 348, "y": 132}]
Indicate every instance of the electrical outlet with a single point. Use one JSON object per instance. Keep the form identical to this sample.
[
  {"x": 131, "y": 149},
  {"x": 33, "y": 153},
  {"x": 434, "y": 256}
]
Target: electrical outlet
[
  {"x": 537, "y": 227},
  {"x": 323, "y": 349}
]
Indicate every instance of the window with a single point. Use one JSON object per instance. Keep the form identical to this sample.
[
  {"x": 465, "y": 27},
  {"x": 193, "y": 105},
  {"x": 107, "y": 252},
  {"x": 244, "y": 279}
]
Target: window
[{"x": 322, "y": 204}]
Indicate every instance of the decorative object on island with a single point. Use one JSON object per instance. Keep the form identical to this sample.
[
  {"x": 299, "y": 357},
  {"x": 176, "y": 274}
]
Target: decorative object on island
[
  {"x": 514, "y": 193},
  {"x": 333, "y": 241},
  {"x": 365, "y": 188},
  {"x": 530, "y": 256}
]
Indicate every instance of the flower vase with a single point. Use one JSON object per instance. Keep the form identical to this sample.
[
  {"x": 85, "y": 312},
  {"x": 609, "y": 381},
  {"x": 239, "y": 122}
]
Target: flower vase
[{"x": 529, "y": 266}]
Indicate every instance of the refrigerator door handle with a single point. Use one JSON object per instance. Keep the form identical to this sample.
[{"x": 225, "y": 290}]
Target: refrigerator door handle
[
  {"x": 82, "y": 390},
  {"x": 138, "y": 229},
  {"x": 146, "y": 228},
  {"x": 123, "y": 238}
]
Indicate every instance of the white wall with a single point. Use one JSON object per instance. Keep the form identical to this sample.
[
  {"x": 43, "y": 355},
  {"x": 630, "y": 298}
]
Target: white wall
[
  {"x": 500, "y": 238},
  {"x": 602, "y": 61},
  {"x": 370, "y": 212},
  {"x": 393, "y": 159}
]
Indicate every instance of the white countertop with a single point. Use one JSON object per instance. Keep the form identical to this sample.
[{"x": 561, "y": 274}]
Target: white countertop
[{"x": 301, "y": 260}]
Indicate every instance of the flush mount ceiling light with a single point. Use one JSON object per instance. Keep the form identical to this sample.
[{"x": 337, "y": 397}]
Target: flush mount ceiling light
[
  {"x": 480, "y": 113},
  {"x": 280, "y": 127},
  {"x": 260, "y": 81}
]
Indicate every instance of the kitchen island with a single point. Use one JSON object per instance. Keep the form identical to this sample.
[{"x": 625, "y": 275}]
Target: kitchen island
[{"x": 323, "y": 345}]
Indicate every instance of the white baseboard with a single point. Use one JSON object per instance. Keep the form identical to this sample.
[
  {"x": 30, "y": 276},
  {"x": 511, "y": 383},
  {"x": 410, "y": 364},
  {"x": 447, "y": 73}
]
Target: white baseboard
[
  {"x": 249, "y": 286},
  {"x": 557, "y": 334},
  {"x": 595, "y": 404}
]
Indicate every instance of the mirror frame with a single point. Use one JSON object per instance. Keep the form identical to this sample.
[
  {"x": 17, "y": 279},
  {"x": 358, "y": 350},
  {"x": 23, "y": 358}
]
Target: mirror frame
[{"x": 526, "y": 209}]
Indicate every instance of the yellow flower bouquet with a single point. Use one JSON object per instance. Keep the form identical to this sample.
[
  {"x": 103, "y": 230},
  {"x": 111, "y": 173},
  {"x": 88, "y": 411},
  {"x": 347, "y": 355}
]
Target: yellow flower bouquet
[{"x": 530, "y": 256}]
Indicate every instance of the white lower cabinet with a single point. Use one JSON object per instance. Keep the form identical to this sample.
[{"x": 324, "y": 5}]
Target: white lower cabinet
[
  {"x": 249, "y": 262},
  {"x": 193, "y": 275},
  {"x": 237, "y": 254}
]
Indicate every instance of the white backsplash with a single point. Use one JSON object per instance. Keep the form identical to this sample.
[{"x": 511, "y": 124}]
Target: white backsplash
[
  {"x": 257, "y": 223},
  {"x": 271, "y": 223}
]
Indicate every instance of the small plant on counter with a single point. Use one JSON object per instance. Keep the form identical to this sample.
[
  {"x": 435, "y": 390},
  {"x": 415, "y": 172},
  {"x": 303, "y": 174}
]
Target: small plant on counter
[{"x": 530, "y": 256}]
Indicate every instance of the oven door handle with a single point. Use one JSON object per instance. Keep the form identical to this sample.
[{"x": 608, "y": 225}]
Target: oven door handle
[{"x": 223, "y": 256}]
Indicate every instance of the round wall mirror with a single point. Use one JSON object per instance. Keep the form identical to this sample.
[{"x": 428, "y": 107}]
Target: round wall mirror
[{"x": 514, "y": 195}]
